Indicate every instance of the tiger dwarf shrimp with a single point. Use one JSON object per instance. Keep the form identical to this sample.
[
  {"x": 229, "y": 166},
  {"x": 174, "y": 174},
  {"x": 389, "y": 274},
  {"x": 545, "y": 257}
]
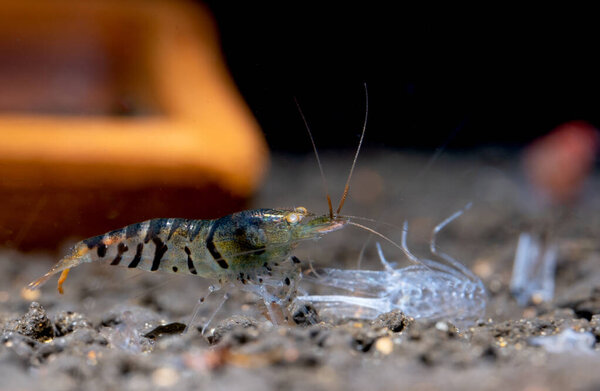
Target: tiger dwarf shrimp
[
  {"x": 235, "y": 247},
  {"x": 244, "y": 248},
  {"x": 247, "y": 249},
  {"x": 426, "y": 290}
]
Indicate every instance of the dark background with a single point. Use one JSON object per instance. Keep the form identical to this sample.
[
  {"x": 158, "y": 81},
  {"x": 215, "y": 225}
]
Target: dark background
[{"x": 465, "y": 79}]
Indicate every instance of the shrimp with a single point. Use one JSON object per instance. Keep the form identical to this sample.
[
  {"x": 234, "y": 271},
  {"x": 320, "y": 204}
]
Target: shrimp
[
  {"x": 241, "y": 247},
  {"x": 426, "y": 290},
  {"x": 246, "y": 249}
]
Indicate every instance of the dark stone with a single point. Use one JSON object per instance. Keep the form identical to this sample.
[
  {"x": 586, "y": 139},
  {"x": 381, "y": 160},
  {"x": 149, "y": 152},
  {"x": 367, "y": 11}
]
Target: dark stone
[
  {"x": 35, "y": 324},
  {"x": 306, "y": 315},
  {"x": 394, "y": 321},
  {"x": 167, "y": 329}
]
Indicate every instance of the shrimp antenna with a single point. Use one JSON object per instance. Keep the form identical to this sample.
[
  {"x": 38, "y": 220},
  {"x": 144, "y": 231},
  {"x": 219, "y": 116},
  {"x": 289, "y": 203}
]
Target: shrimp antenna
[
  {"x": 362, "y": 136},
  {"x": 382, "y": 236},
  {"x": 312, "y": 141}
]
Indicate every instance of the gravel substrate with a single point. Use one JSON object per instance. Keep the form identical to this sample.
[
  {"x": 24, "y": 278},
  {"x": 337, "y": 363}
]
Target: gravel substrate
[{"x": 120, "y": 330}]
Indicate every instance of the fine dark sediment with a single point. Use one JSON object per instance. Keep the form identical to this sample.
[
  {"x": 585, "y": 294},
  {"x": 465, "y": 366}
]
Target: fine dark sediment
[{"x": 114, "y": 331}]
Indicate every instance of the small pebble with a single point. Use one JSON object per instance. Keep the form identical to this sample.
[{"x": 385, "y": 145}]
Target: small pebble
[
  {"x": 30, "y": 295},
  {"x": 483, "y": 268},
  {"x": 384, "y": 345},
  {"x": 165, "y": 377},
  {"x": 66, "y": 322}
]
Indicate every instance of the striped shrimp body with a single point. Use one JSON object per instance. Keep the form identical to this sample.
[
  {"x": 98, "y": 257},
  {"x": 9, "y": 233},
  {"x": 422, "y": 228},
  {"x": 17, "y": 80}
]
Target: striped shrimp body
[
  {"x": 242, "y": 247},
  {"x": 245, "y": 249}
]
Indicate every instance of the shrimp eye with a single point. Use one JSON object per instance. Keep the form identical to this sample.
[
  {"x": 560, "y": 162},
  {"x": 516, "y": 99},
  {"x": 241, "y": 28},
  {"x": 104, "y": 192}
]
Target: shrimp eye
[
  {"x": 292, "y": 218},
  {"x": 301, "y": 210}
]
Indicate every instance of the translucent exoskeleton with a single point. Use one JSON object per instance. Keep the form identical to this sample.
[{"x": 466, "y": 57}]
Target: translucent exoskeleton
[{"x": 427, "y": 290}]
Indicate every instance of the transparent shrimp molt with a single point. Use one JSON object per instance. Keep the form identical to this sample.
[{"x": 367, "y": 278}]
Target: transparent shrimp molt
[{"x": 427, "y": 289}]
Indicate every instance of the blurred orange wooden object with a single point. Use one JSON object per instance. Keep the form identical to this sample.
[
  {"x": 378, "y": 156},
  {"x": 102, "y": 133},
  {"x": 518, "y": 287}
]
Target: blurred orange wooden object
[
  {"x": 558, "y": 163},
  {"x": 112, "y": 112}
]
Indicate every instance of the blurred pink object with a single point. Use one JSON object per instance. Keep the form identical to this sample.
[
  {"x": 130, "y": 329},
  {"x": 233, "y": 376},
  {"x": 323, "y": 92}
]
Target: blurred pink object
[{"x": 558, "y": 163}]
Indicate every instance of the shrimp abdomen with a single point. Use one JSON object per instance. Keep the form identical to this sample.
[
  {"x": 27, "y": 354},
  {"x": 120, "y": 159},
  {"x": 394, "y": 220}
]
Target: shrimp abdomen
[{"x": 152, "y": 245}]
